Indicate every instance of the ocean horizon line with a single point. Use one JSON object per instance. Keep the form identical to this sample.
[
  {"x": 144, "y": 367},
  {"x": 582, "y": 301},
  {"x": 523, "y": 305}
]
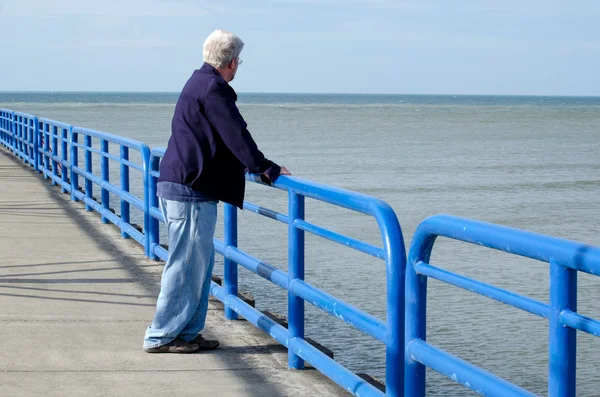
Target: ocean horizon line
[{"x": 309, "y": 93}]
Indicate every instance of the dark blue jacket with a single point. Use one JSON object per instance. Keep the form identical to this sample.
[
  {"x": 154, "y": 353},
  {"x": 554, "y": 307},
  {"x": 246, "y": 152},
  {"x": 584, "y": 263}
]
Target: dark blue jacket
[{"x": 210, "y": 147}]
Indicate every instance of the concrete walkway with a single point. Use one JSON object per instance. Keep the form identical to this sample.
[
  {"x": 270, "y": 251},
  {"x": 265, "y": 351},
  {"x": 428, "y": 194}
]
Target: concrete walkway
[{"x": 75, "y": 300}]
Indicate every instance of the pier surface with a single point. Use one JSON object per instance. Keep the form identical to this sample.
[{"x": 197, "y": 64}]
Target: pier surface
[{"x": 76, "y": 298}]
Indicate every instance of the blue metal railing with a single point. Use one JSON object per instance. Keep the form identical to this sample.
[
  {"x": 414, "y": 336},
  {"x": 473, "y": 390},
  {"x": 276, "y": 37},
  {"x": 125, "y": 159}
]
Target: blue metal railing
[
  {"x": 6, "y": 125},
  {"x": 52, "y": 143},
  {"x": 23, "y": 135},
  {"x": 123, "y": 220},
  {"x": 565, "y": 257},
  {"x": 393, "y": 252},
  {"x": 53, "y": 149}
]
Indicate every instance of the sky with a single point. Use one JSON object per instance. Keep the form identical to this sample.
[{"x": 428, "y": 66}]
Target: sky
[{"x": 495, "y": 47}]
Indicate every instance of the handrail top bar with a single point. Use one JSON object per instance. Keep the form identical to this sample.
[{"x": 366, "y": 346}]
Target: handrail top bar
[
  {"x": 24, "y": 115},
  {"x": 158, "y": 152},
  {"x": 55, "y": 123},
  {"x": 344, "y": 198},
  {"x": 131, "y": 143},
  {"x": 537, "y": 246},
  {"x": 334, "y": 195}
]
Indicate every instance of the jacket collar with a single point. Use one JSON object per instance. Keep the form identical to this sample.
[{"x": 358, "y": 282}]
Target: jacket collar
[{"x": 206, "y": 68}]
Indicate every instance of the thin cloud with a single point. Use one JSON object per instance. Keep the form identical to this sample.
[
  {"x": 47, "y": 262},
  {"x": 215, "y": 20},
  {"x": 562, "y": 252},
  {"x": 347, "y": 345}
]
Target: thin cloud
[
  {"x": 105, "y": 8},
  {"x": 133, "y": 44}
]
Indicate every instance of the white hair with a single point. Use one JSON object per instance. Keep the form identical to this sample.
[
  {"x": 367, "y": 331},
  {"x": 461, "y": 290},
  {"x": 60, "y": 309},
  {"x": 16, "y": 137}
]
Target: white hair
[{"x": 221, "y": 47}]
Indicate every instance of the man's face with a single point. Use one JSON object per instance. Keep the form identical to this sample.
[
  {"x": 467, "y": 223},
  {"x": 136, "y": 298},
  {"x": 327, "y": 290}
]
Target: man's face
[{"x": 235, "y": 63}]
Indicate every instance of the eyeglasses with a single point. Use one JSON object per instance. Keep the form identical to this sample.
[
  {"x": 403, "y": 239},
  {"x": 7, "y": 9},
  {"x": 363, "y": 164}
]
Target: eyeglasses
[{"x": 239, "y": 61}]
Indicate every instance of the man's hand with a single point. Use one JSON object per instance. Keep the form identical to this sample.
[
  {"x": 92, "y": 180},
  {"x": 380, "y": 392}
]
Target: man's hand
[{"x": 264, "y": 177}]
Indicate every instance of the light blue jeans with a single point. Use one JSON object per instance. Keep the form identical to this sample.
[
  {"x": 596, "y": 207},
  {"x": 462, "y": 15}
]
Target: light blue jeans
[{"x": 183, "y": 300}]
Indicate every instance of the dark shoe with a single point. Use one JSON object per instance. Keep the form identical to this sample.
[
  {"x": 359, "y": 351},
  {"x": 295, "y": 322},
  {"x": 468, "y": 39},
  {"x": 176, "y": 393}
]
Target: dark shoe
[
  {"x": 177, "y": 346},
  {"x": 205, "y": 344}
]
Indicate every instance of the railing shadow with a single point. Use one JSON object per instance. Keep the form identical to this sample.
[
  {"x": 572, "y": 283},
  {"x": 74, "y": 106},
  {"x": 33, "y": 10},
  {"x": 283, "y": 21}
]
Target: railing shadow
[
  {"x": 90, "y": 227},
  {"x": 54, "y": 298},
  {"x": 77, "y": 292}
]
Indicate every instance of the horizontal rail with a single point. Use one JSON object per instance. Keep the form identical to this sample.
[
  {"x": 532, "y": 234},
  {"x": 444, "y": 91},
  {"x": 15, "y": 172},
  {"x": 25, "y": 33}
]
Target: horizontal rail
[
  {"x": 336, "y": 372},
  {"x": 571, "y": 254},
  {"x": 156, "y": 214},
  {"x": 130, "y": 143},
  {"x": 161, "y": 252},
  {"x": 340, "y": 197},
  {"x": 111, "y": 157},
  {"x": 489, "y": 291},
  {"x": 135, "y": 201},
  {"x": 88, "y": 175},
  {"x": 253, "y": 264},
  {"x": 355, "y": 317},
  {"x": 89, "y": 149},
  {"x": 58, "y": 180},
  {"x": 266, "y": 212},
  {"x": 276, "y": 331},
  {"x": 54, "y": 123},
  {"x": 463, "y": 372},
  {"x": 25, "y": 115},
  {"x": 582, "y": 323},
  {"x": 132, "y": 165},
  {"x": 351, "y": 382},
  {"x": 340, "y": 238}
]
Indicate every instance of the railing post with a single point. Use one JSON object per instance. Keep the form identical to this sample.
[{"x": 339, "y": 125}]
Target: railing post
[
  {"x": 54, "y": 154},
  {"x": 17, "y": 140},
  {"x": 47, "y": 161},
  {"x": 64, "y": 148},
  {"x": 28, "y": 141},
  {"x": 74, "y": 164},
  {"x": 153, "y": 237},
  {"x": 36, "y": 144},
  {"x": 7, "y": 128},
  {"x": 13, "y": 130},
  {"x": 295, "y": 271},
  {"x": 395, "y": 263},
  {"x": 416, "y": 316},
  {"x": 16, "y": 135},
  {"x": 31, "y": 142},
  {"x": 4, "y": 126},
  {"x": 230, "y": 271},
  {"x": 20, "y": 137},
  {"x": 146, "y": 173},
  {"x": 89, "y": 186},
  {"x": 125, "y": 188},
  {"x": 2, "y": 122},
  {"x": 562, "y": 349},
  {"x": 26, "y": 148},
  {"x": 32, "y": 124},
  {"x": 105, "y": 194},
  {"x": 21, "y": 140}
]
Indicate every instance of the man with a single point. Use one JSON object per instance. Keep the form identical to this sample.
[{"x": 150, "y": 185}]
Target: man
[{"x": 208, "y": 152}]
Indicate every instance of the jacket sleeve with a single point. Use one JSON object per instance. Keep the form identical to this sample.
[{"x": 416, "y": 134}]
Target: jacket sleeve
[{"x": 225, "y": 117}]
